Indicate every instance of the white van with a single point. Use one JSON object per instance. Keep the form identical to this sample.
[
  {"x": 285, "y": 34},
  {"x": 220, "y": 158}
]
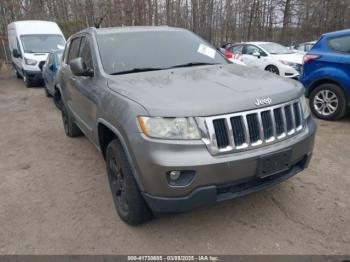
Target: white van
[{"x": 30, "y": 42}]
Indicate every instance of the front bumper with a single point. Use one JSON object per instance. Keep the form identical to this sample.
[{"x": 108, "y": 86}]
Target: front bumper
[
  {"x": 217, "y": 177},
  {"x": 33, "y": 77}
]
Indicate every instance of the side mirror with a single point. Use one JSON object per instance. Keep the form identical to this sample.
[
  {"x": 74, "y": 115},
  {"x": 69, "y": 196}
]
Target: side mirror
[
  {"x": 79, "y": 68},
  {"x": 15, "y": 53},
  {"x": 41, "y": 66},
  {"x": 52, "y": 67},
  {"x": 257, "y": 54}
]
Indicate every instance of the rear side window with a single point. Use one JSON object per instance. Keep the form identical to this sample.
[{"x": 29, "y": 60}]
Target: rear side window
[
  {"x": 340, "y": 44},
  {"x": 73, "y": 49},
  {"x": 238, "y": 49}
]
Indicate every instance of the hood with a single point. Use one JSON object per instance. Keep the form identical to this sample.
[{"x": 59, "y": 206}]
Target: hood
[
  {"x": 36, "y": 56},
  {"x": 292, "y": 58},
  {"x": 204, "y": 90}
]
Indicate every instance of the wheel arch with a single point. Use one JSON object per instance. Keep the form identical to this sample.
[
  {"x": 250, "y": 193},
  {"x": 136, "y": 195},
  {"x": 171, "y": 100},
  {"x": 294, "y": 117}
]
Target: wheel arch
[
  {"x": 328, "y": 80},
  {"x": 106, "y": 132}
]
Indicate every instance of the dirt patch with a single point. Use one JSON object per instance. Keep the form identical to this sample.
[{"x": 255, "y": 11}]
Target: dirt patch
[{"x": 5, "y": 70}]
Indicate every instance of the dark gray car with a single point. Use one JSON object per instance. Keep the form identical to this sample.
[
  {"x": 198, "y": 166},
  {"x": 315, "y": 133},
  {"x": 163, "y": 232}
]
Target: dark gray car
[{"x": 178, "y": 126}]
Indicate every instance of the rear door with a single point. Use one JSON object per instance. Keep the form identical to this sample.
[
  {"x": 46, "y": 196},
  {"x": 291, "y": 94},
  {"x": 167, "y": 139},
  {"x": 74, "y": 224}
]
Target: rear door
[{"x": 341, "y": 48}]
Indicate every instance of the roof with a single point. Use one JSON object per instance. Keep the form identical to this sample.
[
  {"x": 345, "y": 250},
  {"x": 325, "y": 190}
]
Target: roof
[
  {"x": 35, "y": 27},
  {"x": 337, "y": 33},
  {"x": 127, "y": 29}
]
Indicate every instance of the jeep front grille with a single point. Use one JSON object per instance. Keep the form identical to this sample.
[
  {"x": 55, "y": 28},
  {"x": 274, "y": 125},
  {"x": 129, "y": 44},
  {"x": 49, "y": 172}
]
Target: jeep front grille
[{"x": 250, "y": 129}]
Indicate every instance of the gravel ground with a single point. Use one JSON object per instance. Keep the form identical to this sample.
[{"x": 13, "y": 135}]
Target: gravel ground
[{"x": 55, "y": 197}]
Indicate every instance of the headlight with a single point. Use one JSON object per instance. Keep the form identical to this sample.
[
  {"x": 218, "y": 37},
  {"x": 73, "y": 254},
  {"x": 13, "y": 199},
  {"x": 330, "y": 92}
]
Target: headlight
[
  {"x": 169, "y": 128},
  {"x": 305, "y": 107},
  {"x": 31, "y": 62},
  {"x": 288, "y": 63}
]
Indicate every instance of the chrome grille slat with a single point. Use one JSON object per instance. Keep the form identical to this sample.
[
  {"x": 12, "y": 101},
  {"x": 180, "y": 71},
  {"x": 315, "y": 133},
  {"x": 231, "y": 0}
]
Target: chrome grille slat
[{"x": 253, "y": 128}]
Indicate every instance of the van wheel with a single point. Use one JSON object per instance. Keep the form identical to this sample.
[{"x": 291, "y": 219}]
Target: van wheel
[
  {"x": 70, "y": 128},
  {"x": 27, "y": 82},
  {"x": 328, "y": 102},
  {"x": 273, "y": 69},
  {"x": 128, "y": 201},
  {"x": 18, "y": 75}
]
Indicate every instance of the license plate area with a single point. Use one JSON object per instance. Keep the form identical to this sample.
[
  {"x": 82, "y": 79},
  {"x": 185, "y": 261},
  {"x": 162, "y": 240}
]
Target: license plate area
[{"x": 275, "y": 163}]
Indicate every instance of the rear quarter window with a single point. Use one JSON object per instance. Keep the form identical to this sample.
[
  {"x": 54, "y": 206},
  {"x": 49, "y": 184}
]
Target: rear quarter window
[{"x": 340, "y": 44}]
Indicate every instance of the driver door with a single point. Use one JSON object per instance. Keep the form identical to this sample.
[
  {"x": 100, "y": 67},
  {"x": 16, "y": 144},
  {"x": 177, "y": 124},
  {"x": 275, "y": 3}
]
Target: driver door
[{"x": 85, "y": 90}]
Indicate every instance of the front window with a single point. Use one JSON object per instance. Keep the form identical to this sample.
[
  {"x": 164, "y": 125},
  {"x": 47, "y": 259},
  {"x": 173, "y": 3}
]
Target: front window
[
  {"x": 42, "y": 43},
  {"x": 275, "y": 49},
  {"x": 154, "y": 50}
]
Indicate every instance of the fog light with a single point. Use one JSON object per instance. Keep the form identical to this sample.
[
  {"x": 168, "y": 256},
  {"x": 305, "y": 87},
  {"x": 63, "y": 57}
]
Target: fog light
[
  {"x": 174, "y": 175},
  {"x": 180, "y": 177}
]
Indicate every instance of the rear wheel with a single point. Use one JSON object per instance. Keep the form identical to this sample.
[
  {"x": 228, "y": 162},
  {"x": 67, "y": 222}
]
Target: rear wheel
[
  {"x": 46, "y": 91},
  {"x": 127, "y": 198},
  {"x": 273, "y": 69},
  {"x": 328, "y": 102},
  {"x": 70, "y": 128}
]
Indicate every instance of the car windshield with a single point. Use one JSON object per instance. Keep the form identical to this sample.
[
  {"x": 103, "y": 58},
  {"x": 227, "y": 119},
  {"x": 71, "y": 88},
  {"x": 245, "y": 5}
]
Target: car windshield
[
  {"x": 275, "y": 49},
  {"x": 137, "y": 51},
  {"x": 42, "y": 43}
]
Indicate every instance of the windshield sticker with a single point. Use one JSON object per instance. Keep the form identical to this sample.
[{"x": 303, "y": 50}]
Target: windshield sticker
[
  {"x": 206, "y": 50},
  {"x": 60, "y": 46}
]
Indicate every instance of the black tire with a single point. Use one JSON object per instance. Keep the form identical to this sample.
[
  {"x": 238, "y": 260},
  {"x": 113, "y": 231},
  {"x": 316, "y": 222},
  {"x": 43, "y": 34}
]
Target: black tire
[
  {"x": 341, "y": 107},
  {"x": 46, "y": 91},
  {"x": 273, "y": 69},
  {"x": 27, "y": 82},
  {"x": 18, "y": 75},
  {"x": 70, "y": 128},
  {"x": 57, "y": 100},
  {"x": 129, "y": 203}
]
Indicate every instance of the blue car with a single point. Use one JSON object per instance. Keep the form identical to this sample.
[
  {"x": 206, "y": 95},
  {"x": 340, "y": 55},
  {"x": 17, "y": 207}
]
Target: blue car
[
  {"x": 50, "y": 70},
  {"x": 326, "y": 75}
]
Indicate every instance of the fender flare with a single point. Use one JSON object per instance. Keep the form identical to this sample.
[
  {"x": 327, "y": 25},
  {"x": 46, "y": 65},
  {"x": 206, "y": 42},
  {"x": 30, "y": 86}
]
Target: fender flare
[
  {"x": 313, "y": 85},
  {"x": 119, "y": 136}
]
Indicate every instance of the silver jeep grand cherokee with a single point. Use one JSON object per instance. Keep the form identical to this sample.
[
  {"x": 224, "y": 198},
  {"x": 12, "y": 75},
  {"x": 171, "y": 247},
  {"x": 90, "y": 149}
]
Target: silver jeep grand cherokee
[{"x": 178, "y": 126}]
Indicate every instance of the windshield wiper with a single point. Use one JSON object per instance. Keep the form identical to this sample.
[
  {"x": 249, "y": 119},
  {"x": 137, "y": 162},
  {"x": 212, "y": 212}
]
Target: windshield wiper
[
  {"x": 136, "y": 70},
  {"x": 193, "y": 64}
]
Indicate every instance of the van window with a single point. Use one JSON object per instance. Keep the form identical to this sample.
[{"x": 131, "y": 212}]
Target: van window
[
  {"x": 85, "y": 53},
  {"x": 41, "y": 43},
  {"x": 73, "y": 49},
  {"x": 340, "y": 44}
]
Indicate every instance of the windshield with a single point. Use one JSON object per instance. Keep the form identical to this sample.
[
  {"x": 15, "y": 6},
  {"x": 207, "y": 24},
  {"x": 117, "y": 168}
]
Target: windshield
[
  {"x": 154, "y": 50},
  {"x": 275, "y": 49},
  {"x": 42, "y": 43}
]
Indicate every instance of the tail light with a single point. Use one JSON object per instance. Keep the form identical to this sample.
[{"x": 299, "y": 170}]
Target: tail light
[
  {"x": 229, "y": 55},
  {"x": 309, "y": 57}
]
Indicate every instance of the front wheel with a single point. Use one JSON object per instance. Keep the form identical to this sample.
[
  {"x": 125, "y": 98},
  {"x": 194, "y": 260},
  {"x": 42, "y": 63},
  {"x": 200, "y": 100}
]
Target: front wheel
[
  {"x": 273, "y": 69},
  {"x": 128, "y": 201},
  {"x": 328, "y": 102},
  {"x": 27, "y": 82},
  {"x": 18, "y": 75}
]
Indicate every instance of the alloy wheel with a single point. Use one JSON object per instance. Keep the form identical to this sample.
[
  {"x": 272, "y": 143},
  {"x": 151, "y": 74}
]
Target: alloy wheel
[
  {"x": 326, "y": 102},
  {"x": 118, "y": 184}
]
